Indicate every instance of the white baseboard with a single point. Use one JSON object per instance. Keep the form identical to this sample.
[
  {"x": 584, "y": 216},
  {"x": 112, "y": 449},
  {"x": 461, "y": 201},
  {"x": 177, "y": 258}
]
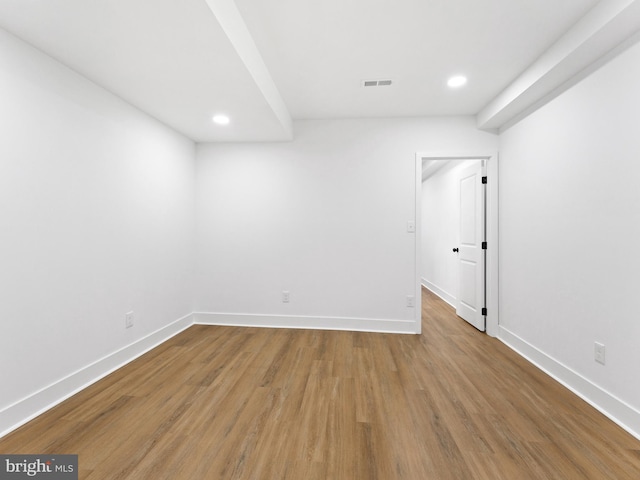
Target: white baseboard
[
  {"x": 447, "y": 297},
  {"x": 304, "y": 322},
  {"x": 30, "y": 407},
  {"x": 615, "y": 409},
  {"x": 39, "y": 402}
]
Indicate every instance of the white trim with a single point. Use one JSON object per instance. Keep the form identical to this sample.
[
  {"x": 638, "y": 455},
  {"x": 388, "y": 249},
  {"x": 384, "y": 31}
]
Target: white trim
[
  {"x": 492, "y": 225},
  {"x": 34, "y": 405},
  {"x": 305, "y": 322},
  {"x": 492, "y": 236},
  {"x": 444, "y": 295},
  {"x": 28, "y": 408},
  {"x": 612, "y": 407},
  {"x": 416, "y": 246},
  {"x": 39, "y": 402}
]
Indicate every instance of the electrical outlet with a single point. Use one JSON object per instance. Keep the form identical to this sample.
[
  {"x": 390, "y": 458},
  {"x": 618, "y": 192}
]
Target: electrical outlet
[
  {"x": 599, "y": 353},
  {"x": 285, "y": 296},
  {"x": 410, "y": 301},
  {"x": 128, "y": 319}
]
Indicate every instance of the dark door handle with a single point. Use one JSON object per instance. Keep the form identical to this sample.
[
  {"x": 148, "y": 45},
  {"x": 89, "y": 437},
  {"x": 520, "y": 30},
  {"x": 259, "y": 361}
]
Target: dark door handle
[{"x": 455, "y": 250}]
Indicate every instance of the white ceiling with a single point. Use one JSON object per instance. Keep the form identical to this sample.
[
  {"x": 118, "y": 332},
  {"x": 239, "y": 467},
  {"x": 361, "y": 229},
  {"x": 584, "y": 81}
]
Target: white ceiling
[
  {"x": 266, "y": 62},
  {"x": 319, "y": 51}
]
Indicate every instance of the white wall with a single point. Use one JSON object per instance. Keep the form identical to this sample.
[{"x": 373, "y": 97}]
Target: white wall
[
  {"x": 441, "y": 230},
  {"x": 96, "y": 219},
  {"x": 569, "y": 222},
  {"x": 324, "y": 217}
]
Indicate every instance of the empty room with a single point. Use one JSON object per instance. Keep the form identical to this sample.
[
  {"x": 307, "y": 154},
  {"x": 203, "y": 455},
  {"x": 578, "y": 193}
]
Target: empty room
[{"x": 333, "y": 239}]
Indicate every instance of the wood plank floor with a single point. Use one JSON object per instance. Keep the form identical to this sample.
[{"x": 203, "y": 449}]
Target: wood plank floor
[{"x": 263, "y": 404}]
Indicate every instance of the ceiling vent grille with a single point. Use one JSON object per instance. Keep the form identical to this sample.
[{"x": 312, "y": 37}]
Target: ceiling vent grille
[{"x": 376, "y": 83}]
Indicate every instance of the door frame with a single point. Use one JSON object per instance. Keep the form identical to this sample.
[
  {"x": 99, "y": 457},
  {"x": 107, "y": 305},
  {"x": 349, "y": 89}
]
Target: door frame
[{"x": 491, "y": 232}]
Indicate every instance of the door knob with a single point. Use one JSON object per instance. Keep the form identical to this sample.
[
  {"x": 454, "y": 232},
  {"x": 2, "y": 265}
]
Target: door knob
[{"x": 455, "y": 250}]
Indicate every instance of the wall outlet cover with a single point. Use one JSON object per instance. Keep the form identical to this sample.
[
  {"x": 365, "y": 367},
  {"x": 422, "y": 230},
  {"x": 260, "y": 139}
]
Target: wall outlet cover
[
  {"x": 599, "y": 353},
  {"x": 128, "y": 319}
]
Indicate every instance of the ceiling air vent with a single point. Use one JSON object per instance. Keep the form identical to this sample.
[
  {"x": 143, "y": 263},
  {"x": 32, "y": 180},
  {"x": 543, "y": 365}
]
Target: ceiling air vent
[{"x": 376, "y": 83}]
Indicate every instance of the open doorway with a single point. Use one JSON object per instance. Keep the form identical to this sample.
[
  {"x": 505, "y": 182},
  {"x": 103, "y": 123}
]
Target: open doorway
[
  {"x": 453, "y": 227},
  {"x": 456, "y": 240}
]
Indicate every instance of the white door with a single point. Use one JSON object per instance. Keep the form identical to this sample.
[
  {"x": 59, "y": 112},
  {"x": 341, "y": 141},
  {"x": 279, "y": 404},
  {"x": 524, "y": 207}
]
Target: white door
[{"x": 471, "y": 292}]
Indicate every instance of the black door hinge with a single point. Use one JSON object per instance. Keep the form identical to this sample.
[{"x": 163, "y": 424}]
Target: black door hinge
[
  {"x": 484, "y": 311},
  {"x": 484, "y": 180},
  {"x": 484, "y": 245}
]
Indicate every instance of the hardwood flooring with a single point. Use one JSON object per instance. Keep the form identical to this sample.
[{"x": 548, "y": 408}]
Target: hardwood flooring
[{"x": 265, "y": 404}]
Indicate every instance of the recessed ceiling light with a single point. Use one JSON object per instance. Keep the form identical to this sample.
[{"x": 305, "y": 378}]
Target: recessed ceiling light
[
  {"x": 457, "y": 81},
  {"x": 221, "y": 119}
]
